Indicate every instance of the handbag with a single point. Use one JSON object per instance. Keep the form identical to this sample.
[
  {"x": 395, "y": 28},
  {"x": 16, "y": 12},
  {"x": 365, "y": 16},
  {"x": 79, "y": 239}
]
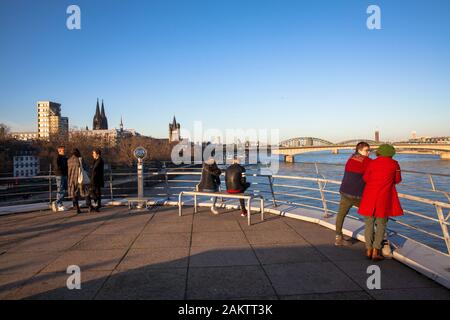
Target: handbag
[{"x": 83, "y": 177}]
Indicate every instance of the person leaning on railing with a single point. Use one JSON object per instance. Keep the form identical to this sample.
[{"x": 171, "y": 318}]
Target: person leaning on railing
[
  {"x": 380, "y": 199},
  {"x": 352, "y": 187}
]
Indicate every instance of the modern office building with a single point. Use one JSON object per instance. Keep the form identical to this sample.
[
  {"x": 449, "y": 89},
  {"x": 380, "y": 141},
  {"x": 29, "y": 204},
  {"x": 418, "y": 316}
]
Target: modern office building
[{"x": 50, "y": 122}]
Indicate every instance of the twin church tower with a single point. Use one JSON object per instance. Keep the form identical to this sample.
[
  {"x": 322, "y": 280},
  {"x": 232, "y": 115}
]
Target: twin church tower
[{"x": 100, "y": 121}]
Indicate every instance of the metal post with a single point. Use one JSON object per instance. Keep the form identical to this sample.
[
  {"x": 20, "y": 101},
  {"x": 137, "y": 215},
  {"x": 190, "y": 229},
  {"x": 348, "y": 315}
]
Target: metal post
[
  {"x": 140, "y": 174},
  {"x": 440, "y": 214},
  {"x": 249, "y": 210},
  {"x": 50, "y": 184},
  {"x": 324, "y": 201},
  {"x": 430, "y": 177},
  {"x": 111, "y": 184},
  {"x": 271, "y": 190}
]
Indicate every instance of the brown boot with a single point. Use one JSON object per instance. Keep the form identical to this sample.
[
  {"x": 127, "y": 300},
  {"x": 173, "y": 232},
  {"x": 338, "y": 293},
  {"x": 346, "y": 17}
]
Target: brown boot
[
  {"x": 369, "y": 253},
  {"x": 376, "y": 256}
]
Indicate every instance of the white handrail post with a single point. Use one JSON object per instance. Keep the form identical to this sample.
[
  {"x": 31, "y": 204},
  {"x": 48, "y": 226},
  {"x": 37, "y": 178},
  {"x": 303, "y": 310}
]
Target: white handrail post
[
  {"x": 430, "y": 177},
  {"x": 440, "y": 214},
  {"x": 271, "y": 190},
  {"x": 324, "y": 201}
]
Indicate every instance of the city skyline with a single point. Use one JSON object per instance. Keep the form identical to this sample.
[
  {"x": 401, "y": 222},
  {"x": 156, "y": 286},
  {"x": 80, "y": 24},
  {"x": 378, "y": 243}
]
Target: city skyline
[{"x": 311, "y": 70}]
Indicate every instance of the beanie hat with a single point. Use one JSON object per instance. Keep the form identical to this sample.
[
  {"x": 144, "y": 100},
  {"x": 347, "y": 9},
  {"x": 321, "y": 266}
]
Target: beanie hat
[{"x": 386, "y": 150}]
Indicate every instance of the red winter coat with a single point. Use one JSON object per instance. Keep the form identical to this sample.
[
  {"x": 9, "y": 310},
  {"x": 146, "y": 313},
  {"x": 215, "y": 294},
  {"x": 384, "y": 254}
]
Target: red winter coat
[{"x": 380, "y": 197}]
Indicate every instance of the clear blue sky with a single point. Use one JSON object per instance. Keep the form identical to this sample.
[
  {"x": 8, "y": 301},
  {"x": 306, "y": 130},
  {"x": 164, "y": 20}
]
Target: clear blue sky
[{"x": 308, "y": 68}]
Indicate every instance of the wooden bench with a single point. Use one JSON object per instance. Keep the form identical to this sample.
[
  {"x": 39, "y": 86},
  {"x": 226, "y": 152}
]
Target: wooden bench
[{"x": 247, "y": 197}]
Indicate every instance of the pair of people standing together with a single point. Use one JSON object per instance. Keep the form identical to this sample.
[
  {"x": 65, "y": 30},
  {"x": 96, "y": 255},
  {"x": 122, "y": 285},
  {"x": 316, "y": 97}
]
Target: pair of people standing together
[
  {"x": 72, "y": 176},
  {"x": 370, "y": 185}
]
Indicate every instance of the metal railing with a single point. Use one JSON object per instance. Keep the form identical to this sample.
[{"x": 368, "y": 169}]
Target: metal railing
[{"x": 313, "y": 192}]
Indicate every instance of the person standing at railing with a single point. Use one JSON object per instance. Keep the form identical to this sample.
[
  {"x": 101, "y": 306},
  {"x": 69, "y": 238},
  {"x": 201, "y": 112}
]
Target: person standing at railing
[
  {"x": 352, "y": 187},
  {"x": 97, "y": 181},
  {"x": 210, "y": 180},
  {"x": 380, "y": 199},
  {"x": 236, "y": 182},
  {"x": 78, "y": 179},
  {"x": 60, "y": 165}
]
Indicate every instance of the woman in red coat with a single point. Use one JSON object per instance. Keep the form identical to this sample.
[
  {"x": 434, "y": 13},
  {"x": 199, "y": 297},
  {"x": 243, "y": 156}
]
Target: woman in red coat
[{"x": 380, "y": 200}]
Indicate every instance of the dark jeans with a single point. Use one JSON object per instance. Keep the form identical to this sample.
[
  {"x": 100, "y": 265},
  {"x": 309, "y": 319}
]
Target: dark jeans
[
  {"x": 242, "y": 201},
  {"x": 345, "y": 205},
  {"x": 95, "y": 193}
]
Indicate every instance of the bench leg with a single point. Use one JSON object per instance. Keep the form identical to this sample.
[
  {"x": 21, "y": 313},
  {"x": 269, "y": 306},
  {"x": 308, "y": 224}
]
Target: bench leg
[
  {"x": 180, "y": 198},
  {"x": 249, "y": 211},
  {"x": 262, "y": 209},
  {"x": 195, "y": 203}
]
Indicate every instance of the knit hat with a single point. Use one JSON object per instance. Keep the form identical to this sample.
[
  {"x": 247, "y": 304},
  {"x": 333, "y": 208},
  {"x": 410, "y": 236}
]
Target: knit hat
[{"x": 386, "y": 150}]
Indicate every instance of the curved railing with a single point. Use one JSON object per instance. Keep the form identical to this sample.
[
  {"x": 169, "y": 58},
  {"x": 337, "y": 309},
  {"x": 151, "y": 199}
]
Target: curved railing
[{"x": 313, "y": 192}]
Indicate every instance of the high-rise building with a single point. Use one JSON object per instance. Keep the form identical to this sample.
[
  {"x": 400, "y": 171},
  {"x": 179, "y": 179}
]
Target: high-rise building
[
  {"x": 377, "y": 136},
  {"x": 50, "y": 122},
  {"x": 174, "y": 131}
]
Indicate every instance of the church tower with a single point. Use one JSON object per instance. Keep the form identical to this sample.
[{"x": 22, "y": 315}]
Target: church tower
[
  {"x": 104, "y": 119},
  {"x": 174, "y": 131},
  {"x": 97, "y": 122}
]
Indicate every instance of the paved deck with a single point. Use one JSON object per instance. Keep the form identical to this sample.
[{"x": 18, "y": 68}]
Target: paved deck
[{"x": 156, "y": 254}]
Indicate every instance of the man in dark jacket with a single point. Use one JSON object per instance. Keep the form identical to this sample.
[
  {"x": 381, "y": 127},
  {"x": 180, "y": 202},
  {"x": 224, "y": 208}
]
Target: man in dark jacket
[
  {"x": 236, "y": 182},
  {"x": 60, "y": 165},
  {"x": 97, "y": 180},
  {"x": 352, "y": 187},
  {"x": 210, "y": 180}
]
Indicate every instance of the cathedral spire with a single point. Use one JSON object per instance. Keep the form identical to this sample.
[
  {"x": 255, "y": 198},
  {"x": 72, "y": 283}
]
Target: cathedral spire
[
  {"x": 97, "y": 121},
  {"x": 104, "y": 120}
]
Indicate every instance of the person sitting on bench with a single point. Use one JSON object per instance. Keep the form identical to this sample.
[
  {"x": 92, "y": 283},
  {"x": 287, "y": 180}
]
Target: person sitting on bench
[
  {"x": 210, "y": 180},
  {"x": 236, "y": 182}
]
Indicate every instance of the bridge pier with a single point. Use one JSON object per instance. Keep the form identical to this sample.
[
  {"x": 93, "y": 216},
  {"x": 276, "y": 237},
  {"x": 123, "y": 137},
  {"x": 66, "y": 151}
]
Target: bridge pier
[
  {"x": 445, "y": 155},
  {"x": 335, "y": 151},
  {"x": 289, "y": 159}
]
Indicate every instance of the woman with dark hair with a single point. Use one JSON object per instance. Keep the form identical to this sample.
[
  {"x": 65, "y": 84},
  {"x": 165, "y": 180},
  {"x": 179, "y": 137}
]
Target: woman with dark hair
[{"x": 78, "y": 180}]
